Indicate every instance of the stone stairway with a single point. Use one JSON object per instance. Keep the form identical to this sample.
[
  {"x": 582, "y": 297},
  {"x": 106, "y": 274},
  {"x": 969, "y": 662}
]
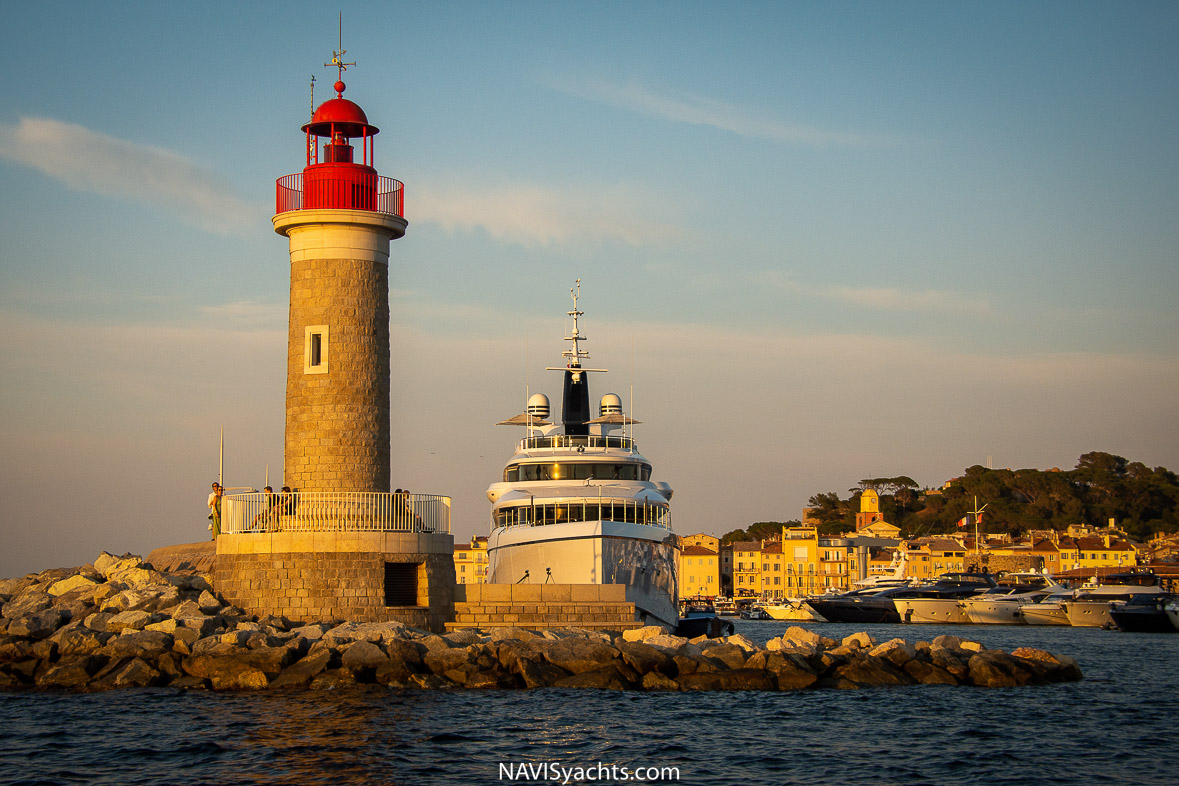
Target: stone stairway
[{"x": 543, "y": 606}]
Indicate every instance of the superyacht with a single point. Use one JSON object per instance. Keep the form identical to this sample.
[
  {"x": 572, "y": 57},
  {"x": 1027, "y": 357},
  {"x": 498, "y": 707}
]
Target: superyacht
[{"x": 577, "y": 504}]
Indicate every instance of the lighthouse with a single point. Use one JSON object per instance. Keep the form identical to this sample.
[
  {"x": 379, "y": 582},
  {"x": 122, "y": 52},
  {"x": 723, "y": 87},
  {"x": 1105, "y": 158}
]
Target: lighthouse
[
  {"x": 339, "y": 216},
  {"x": 338, "y": 544}
]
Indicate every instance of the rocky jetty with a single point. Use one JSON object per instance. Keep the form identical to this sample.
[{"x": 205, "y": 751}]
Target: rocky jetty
[{"x": 120, "y": 623}]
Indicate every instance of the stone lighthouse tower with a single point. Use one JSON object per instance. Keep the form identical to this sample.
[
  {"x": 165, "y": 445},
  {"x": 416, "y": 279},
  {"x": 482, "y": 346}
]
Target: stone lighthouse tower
[
  {"x": 337, "y": 428},
  {"x": 339, "y": 545}
]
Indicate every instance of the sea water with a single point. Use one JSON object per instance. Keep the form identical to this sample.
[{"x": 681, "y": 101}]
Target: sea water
[{"x": 1115, "y": 726}]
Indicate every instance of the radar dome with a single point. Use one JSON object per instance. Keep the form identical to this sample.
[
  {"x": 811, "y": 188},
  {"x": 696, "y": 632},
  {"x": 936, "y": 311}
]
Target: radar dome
[
  {"x": 611, "y": 405},
  {"x": 538, "y": 405}
]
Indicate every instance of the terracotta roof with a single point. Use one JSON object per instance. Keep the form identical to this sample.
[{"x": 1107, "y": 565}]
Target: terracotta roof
[
  {"x": 745, "y": 545},
  {"x": 697, "y": 551},
  {"x": 772, "y": 548}
]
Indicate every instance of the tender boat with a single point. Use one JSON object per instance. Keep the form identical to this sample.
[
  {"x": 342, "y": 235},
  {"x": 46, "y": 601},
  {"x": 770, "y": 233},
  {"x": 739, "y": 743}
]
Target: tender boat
[{"x": 577, "y": 504}]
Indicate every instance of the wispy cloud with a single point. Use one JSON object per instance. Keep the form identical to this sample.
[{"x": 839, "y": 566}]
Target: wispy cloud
[
  {"x": 681, "y": 107},
  {"x": 882, "y": 298},
  {"x": 86, "y": 160},
  {"x": 538, "y": 215}
]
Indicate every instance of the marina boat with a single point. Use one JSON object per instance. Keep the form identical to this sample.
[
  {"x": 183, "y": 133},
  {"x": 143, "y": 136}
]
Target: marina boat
[
  {"x": 577, "y": 505},
  {"x": 1090, "y": 606},
  {"x": 870, "y": 604},
  {"x": 1003, "y": 605},
  {"x": 939, "y": 602},
  {"x": 1142, "y": 614},
  {"x": 726, "y": 607},
  {"x": 1172, "y": 610},
  {"x": 792, "y": 609},
  {"x": 1049, "y": 611}
]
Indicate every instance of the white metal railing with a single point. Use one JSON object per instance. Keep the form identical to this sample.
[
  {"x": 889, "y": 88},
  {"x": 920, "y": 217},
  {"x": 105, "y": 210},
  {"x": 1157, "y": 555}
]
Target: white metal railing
[
  {"x": 541, "y": 514},
  {"x": 334, "y": 511},
  {"x": 577, "y": 441}
]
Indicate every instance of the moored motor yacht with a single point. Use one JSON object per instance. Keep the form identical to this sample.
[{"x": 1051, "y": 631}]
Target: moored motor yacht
[
  {"x": 869, "y": 604},
  {"x": 1003, "y": 605},
  {"x": 792, "y": 609},
  {"x": 1090, "y": 606},
  {"x": 939, "y": 602},
  {"x": 577, "y": 504},
  {"x": 1142, "y": 614}
]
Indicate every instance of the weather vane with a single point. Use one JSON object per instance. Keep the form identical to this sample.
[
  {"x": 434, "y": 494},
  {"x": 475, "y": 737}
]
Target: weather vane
[{"x": 338, "y": 59}]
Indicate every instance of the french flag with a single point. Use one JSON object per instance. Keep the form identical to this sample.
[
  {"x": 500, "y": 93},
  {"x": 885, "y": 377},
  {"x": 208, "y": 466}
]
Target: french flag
[{"x": 962, "y": 522}]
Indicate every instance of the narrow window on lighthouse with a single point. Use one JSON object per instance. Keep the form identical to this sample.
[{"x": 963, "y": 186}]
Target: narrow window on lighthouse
[{"x": 315, "y": 350}]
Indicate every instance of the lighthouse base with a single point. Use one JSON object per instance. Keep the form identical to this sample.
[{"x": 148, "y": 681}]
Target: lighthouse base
[{"x": 352, "y": 576}]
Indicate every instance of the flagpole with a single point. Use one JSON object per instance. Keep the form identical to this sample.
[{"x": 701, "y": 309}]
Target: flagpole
[{"x": 221, "y": 460}]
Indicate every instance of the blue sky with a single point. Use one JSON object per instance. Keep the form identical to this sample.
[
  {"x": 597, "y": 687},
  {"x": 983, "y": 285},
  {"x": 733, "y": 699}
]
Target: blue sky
[{"x": 822, "y": 241}]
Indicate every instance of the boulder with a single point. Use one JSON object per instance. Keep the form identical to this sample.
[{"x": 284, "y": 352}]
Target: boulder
[
  {"x": 667, "y": 642},
  {"x": 207, "y": 603},
  {"x": 71, "y": 583},
  {"x": 731, "y": 655},
  {"x": 607, "y": 677},
  {"x": 580, "y": 655},
  {"x": 148, "y": 644},
  {"x": 363, "y": 658},
  {"x": 365, "y": 631},
  {"x": 30, "y": 601},
  {"x": 643, "y": 634},
  {"x": 653, "y": 680},
  {"x": 645, "y": 659},
  {"x": 38, "y": 625},
  {"x": 331, "y": 679},
  {"x": 928, "y": 674},
  {"x": 540, "y": 674},
  {"x": 440, "y": 661},
  {"x": 995, "y": 669},
  {"x": 859, "y": 641},
  {"x": 898, "y": 652},
  {"x": 301, "y": 673},
  {"x": 70, "y": 673},
  {"x": 742, "y": 642},
  {"x": 792, "y": 672},
  {"x": 865, "y": 671},
  {"x": 512, "y": 634},
  {"x": 225, "y": 672},
  {"x": 128, "y": 620},
  {"x": 730, "y": 679}
]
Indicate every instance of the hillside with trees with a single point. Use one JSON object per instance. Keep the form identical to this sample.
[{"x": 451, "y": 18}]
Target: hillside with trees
[{"x": 1140, "y": 500}]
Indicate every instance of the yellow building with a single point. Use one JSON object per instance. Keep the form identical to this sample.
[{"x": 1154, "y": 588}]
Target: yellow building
[
  {"x": 470, "y": 561},
  {"x": 1105, "y": 551},
  {"x": 813, "y": 565},
  {"x": 928, "y": 558},
  {"x": 699, "y": 572},
  {"x": 746, "y": 567},
  {"x": 700, "y": 539},
  {"x": 773, "y": 570}
]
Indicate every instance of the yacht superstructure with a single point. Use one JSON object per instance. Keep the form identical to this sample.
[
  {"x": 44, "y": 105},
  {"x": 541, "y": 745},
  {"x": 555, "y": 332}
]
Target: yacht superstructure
[{"x": 577, "y": 505}]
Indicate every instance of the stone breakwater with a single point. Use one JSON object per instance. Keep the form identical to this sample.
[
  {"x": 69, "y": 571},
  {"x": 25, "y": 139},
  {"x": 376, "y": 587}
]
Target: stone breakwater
[{"x": 119, "y": 623}]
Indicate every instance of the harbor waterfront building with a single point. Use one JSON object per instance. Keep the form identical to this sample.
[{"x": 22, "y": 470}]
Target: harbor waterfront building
[
  {"x": 699, "y": 572},
  {"x": 341, "y": 543},
  {"x": 470, "y": 561}
]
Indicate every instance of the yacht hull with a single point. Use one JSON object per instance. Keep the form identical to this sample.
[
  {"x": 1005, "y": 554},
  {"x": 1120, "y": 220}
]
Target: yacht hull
[
  {"x": 1050, "y": 613},
  {"x": 641, "y": 558},
  {"x": 859, "y": 610},
  {"x": 792, "y": 610},
  {"x": 994, "y": 612},
  {"x": 931, "y": 610}
]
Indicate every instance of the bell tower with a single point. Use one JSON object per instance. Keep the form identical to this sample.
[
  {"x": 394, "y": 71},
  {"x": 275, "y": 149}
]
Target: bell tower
[{"x": 339, "y": 216}]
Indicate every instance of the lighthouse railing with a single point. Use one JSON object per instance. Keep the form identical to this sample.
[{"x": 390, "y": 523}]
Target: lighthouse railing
[
  {"x": 334, "y": 511},
  {"x": 290, "y": 193}
]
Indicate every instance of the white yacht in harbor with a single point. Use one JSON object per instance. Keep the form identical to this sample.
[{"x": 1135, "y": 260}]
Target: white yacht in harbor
[{"x": 577, "y": 505}]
